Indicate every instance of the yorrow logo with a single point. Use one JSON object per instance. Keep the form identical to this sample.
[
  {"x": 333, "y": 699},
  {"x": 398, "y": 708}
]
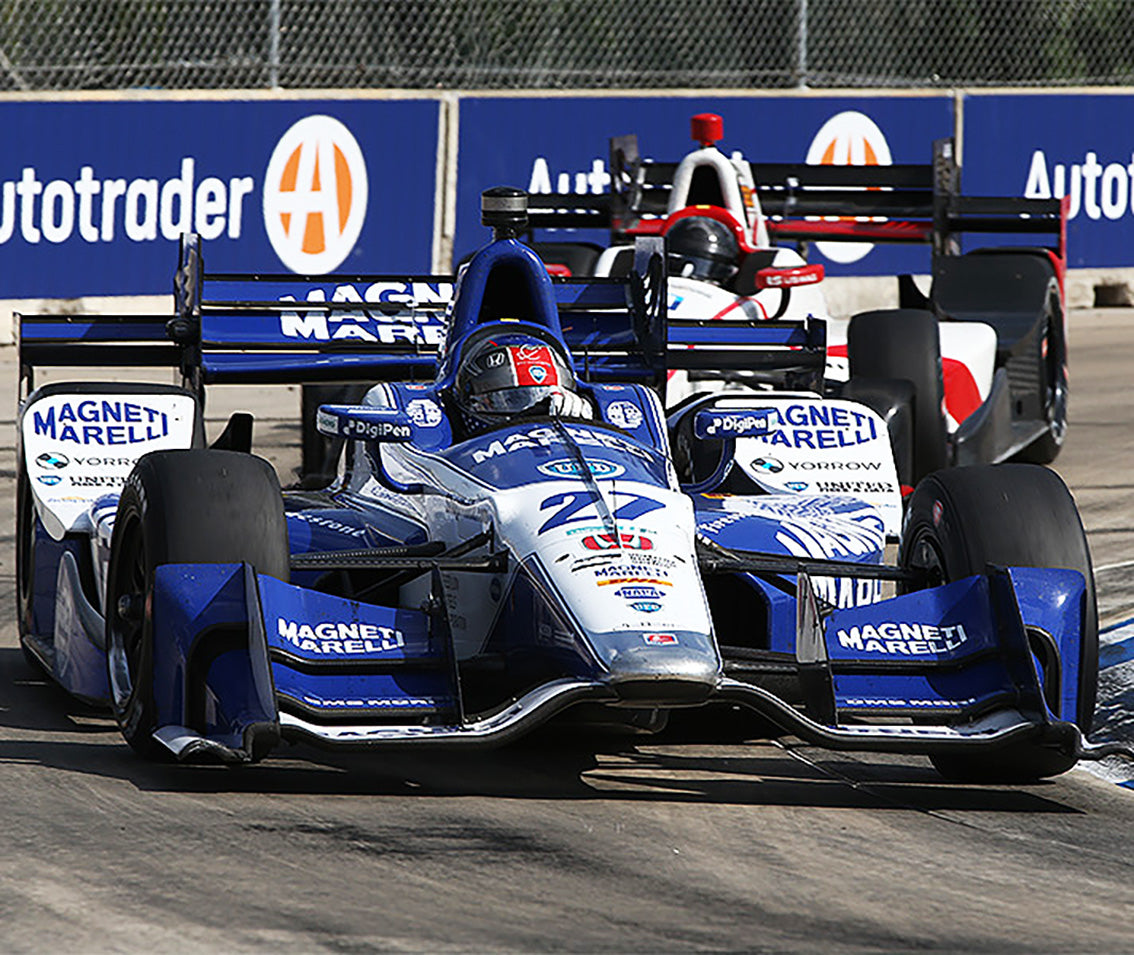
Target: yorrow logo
[{"x": 314, "y": 198}]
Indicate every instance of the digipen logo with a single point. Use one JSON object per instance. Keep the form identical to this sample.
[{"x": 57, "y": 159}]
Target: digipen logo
[
  {"x": 315, "y": 193},
  {"x": 848, "y": 139}
]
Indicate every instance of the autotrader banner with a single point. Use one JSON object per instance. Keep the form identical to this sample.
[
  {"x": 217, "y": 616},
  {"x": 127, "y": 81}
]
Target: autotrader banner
[
  {"x": 549, "y": 145},
  {"x": 1051, "y": 145},
  {"x": 95, "y": 195}
]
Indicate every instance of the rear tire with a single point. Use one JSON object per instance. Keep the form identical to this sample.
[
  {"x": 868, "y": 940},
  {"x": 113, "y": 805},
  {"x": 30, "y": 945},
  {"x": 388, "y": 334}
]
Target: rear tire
[
  {"x": 1053, "y": 400},
  {"x": 1013, "y": 515},
  {"x": 180, "y": 507},
  {"x": 905, "y": 343}
]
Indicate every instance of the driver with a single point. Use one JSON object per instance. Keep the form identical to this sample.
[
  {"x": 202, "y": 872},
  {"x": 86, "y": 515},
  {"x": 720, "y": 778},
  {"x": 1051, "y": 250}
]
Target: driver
[
  {"x": 507, "y": 374},
  {"x": 702, "y": 248}
]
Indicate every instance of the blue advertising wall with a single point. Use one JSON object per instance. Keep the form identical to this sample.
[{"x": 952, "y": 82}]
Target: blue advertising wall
[
  {"x": 532, "y": 143},
  {"x": 1044, "y": 145},
  {"x": 94, "y": 194}
]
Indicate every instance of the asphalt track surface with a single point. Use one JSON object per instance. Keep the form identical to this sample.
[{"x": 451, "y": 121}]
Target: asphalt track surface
[{"x": 755, "y": 846}]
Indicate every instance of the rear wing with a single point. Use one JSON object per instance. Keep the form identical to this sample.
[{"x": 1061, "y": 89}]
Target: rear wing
[
  {"x": 285, "y": 329},
  {"x": 911, "y": 203}
]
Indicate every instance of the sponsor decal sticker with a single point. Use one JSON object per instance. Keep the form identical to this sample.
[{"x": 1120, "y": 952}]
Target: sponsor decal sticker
[
  {"x": 834, "y": 465},
  {"x": 898, "y": 703},
  {"x": 369, "y": 325},
  {"x": 624, "y": 541},
  {"x": 771, "y": 465},
  {"x": 49, "y": 459},
  {"x": 632, "y": 580},
  {"x": 329, "y": 523},
  {"x": 938, "y": 511},
  {"x": 732, "y": 424},
  {"x": 568, "y": 468},
  {"x": 854, "y": 487},
  {"x": 903, "y": 639},
  {"x": 49, "y": 479},
  {"x": 104, "y": 422},
  {"x": 660, "y": 639},
  {"x": 646, "y": 606},
  {"x": 624, "y": 414},
  {"x": 640, "y": 593},
  {"x": 424, "y": 413},
  {"x": 544, "y": 437},
  {"x": 339, "y": 638},
  {"x": 533, "y": 365},
  {"x": 818, "y": 427},
  {"x": 639, "y": 567},
  {"x": 797, "y": 485},
  {"x": 98, "y": 480},
  {"x": 574, "y": 508},
  {"x": 369, "y": 703}
]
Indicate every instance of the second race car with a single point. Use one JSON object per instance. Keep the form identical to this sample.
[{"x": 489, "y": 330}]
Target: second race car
[{"x": 984, "y": 352}]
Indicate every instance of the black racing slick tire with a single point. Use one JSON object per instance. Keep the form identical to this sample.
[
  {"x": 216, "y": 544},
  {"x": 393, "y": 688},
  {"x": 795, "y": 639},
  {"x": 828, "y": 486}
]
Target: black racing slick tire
[
  {"x": 25, "y": 560},
  {"x": 904, "y": 343},
  {"x": 180, "y": 507},
  {"x": 959, "y": 521},
  {"x": 1053, "y": 384}
]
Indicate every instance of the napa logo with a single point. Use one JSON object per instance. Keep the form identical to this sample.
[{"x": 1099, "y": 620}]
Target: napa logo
[
  {"x": 315, "y": 195},
  {"x": 640, "y": 593},
  {"x": 848, "y": 139},
  {"x": 568, "y": 469}
]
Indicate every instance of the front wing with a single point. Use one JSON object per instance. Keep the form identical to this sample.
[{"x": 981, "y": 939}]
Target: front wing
[{"x": 242, "y": 660}]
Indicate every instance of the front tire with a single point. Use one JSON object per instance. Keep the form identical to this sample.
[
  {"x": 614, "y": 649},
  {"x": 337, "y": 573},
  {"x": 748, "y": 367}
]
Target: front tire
[
  {"x": 180, "y": 507},
  {"x": 963, "y": 519}
]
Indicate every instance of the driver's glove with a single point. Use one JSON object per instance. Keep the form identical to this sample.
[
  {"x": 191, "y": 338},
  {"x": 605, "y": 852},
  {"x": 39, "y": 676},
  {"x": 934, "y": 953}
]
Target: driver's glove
[{"x": 568, "y": 404}]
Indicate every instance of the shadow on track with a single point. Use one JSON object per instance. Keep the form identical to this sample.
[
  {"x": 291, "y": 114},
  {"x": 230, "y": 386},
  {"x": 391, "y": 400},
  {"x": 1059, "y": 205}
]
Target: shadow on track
[{"x": 42, "y": 725}]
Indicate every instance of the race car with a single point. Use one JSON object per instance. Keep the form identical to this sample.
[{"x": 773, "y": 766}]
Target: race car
[
  {"x": 514, "y": 537},
  {"x": 985, "y": 352}
]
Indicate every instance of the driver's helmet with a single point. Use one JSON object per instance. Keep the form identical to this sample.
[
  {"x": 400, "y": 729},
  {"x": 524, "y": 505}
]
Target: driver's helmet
[
  {"x": 702, "y": 248},
  {"x": 505, "y": 373}
]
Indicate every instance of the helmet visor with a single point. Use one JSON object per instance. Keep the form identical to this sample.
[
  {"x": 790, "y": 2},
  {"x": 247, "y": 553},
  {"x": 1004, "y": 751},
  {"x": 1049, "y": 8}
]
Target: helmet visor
[
  {"x": 509, "y": 401},
  {"x": 700, "y": 267}
]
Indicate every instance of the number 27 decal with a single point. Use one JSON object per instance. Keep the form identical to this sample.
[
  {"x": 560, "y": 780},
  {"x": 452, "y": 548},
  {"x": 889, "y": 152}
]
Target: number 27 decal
[{"x": 576, "y": 506}]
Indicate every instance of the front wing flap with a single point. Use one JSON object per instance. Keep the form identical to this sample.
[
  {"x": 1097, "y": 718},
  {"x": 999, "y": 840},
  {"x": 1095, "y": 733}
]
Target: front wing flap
[{"x": 241, "y": 660}]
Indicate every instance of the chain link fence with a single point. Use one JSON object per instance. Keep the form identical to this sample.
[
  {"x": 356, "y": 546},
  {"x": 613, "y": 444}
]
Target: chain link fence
[{"x": 562, "y": 44}]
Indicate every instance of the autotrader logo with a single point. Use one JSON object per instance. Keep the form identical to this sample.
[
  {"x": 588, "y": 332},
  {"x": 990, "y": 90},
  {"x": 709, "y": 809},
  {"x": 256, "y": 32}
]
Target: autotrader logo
[
  {"x": 315, "y": 194},
  {"x": 848, "y": 139}
]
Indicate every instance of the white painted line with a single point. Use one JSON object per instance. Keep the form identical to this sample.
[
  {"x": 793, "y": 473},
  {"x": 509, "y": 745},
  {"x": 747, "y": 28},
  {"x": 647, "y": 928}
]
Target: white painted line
[{"x": 1117, "y": 566}]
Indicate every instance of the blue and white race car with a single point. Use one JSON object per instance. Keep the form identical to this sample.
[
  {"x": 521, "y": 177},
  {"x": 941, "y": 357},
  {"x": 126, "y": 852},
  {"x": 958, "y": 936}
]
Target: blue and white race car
[{"x": 517, "y": 533}]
